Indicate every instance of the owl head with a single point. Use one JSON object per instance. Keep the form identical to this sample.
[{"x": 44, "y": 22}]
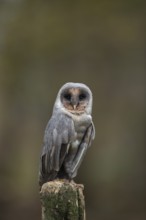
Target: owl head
[{"x": 75, "y": 98}]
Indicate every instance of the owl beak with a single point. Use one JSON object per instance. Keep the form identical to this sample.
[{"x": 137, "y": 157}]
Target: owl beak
[
  {"x": 74, "y": 107},
  {"x": 74, "y": 103}
]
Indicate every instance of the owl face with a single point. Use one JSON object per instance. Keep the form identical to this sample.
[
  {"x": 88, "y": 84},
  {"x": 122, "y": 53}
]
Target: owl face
[{"x": 76, "y": 98}]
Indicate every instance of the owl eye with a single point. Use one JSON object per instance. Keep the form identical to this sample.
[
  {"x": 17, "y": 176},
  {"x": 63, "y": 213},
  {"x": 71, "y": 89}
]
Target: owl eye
[
  {"x": 67, "y": 97},
  {"x": 82, "y": 97}
]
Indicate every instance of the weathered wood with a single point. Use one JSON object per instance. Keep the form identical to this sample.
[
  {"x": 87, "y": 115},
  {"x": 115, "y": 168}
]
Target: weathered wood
[{"x": 62, "y": 200}]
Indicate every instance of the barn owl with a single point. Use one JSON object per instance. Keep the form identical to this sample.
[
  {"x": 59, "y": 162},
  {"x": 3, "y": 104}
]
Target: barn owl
[{"x": 68, "y": 133}]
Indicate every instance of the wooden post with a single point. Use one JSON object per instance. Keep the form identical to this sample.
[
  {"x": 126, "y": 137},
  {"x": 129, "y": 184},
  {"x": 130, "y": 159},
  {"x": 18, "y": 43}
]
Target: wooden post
[{"x": 62, "y": 200}]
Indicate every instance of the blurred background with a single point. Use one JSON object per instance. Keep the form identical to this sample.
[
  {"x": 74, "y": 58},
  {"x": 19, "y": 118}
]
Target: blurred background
[{"x": 44, "y": 44}]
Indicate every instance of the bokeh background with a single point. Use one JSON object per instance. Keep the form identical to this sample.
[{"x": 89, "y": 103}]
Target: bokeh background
[{"x": 44, "y": 44}]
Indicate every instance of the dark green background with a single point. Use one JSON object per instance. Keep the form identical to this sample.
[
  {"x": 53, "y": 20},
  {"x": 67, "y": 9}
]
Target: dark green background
[{"x": 44, "y": 44}]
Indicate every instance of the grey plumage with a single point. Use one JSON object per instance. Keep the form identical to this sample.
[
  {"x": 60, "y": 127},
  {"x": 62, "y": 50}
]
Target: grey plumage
[{"x": 68, "y": 134}]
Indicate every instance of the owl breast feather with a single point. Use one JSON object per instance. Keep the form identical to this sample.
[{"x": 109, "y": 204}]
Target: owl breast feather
[{"x": 81, "y": 124}]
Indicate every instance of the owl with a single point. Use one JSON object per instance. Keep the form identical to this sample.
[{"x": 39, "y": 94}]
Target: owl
[{"x": 68, "y": 133}]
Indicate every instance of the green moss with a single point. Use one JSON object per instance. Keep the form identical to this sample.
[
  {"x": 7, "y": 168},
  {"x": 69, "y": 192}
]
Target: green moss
[{"x": 62, "y": 201}]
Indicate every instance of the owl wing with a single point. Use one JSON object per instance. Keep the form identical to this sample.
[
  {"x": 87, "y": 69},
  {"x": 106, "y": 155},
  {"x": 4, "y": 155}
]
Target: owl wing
[
  {"x": 58, "y": 134},
  {"x": 85, "y": 143}
]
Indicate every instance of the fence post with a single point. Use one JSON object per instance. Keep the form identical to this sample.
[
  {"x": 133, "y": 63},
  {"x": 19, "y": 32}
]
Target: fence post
[{"x": 62, "y": 200}]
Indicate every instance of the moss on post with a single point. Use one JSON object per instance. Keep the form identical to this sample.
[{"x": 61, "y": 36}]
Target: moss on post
[{"x": 62, "y": 201}]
